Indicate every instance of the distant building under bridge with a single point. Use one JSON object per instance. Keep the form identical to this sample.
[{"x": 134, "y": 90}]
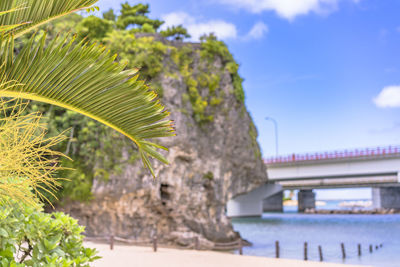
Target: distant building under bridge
[{"x": 378, "y": 168}]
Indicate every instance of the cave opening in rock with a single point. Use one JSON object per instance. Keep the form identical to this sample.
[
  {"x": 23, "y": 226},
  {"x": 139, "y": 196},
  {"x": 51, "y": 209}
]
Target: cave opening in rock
[{"x": 164, "y": 193}]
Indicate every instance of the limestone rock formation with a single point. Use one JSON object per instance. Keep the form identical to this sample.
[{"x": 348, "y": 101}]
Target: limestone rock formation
[{"x": 210, "y": 163}]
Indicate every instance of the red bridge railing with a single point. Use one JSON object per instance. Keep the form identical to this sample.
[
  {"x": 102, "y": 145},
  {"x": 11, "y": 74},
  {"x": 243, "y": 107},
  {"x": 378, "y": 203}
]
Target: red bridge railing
[{"x": 356, "y": 153}]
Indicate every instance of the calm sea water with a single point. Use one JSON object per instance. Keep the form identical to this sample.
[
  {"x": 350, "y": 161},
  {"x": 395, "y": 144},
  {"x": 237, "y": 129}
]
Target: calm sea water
[{"x": 293, "y": 229}]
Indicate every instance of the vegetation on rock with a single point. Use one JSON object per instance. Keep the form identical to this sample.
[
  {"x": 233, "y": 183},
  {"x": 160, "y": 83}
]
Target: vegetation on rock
[
  {"x": 177, "y": 33},
  {"x": 136, "y": 18},
  {"x": 253, "y": 135}
]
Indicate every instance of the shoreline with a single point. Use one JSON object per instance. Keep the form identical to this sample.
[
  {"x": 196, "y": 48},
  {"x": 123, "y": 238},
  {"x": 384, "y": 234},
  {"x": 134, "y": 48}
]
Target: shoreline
[
  {"x": 353, "y": 211},
  {"x": 123, "y": 255}
]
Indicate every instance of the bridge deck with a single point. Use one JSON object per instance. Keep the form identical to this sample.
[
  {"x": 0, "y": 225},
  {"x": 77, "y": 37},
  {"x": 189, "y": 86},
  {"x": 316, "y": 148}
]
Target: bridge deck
[
  {"x": 359, "y": 168},
  {"x": 340, "y": 183}
]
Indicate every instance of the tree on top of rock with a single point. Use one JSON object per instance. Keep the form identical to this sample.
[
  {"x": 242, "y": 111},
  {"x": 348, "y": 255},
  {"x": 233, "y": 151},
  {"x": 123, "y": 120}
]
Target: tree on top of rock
[
  {"x": 136, "y": 16},
  {"x": 94, "y": 28},
  {"x": 109, "y": 15},
  {"x": 176, "y": 32}
]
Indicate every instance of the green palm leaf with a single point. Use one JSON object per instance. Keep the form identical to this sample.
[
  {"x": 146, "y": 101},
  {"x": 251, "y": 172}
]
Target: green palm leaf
[
  {"x": 85, "y": 78},
  {"x": 33, "y": 13},
  {"x": 8, "y": 28}
]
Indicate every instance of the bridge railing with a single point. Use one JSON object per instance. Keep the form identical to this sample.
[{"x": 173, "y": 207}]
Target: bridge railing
[{"x": 356, "y": 153}]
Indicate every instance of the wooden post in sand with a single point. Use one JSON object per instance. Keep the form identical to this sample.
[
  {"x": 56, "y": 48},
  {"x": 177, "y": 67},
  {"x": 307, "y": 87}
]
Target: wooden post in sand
[
  {"x": 240, "y": 247},
  {"x": 321, "y": 258},
  {"x": 111, "y": 242},
  {"x": 359, "y": 249},
  {"x": 277, "y": 249},
  {"x": 305, "y": 251},
  {"x": 343, "y": 251},
  {"x": 155, "y": 243},
  {"x": 196, "y": 243}
]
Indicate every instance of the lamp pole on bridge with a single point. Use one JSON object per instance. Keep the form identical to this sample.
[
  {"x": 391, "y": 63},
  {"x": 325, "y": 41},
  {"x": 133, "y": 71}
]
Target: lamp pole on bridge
[{"x": 276, "y": 132}]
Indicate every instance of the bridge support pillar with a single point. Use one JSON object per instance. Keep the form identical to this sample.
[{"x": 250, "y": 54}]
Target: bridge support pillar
[
  {"x": 251, "y": 204},
  {"x": 386, "y": 198},
  {"x": 273, "y": 203},
  {"x": 306, "y": 200}
]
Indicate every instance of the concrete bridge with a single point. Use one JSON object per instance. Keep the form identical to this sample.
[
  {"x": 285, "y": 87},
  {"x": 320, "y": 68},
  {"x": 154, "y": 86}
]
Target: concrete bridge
[{"x": 378, "y": 168}]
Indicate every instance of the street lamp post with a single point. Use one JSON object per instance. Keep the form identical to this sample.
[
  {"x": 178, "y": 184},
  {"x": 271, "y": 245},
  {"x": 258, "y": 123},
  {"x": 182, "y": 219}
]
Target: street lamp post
[{"x": 276, "y": 133}]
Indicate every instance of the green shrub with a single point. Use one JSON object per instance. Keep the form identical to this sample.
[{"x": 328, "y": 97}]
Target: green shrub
[
  {"x": 254, "y": 144},
  {"x": 190, "y": 82},
  {"x": 185, "y": 98},
  {"x": 176, "y": 33},
  {"x": 232, "y": 67},
  {"x": 210, "y": 48},
  {"x": 238, "y": 87},
  {"x": 202, "y": 79},
  {"x": 148, "y": 28},
  {"x": 94, "y": 28},
  {"x": 208, "y": 175},
  {"x": 144, "y": 53},
  {"x": 213, "y": 83},
  {"x": 110, "y": 15},
  {"x": 215, "y": 101},
  {"x": 30, "y": 237}
]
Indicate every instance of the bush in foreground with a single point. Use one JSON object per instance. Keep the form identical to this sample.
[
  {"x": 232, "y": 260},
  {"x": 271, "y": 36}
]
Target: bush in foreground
[{"x": 30, "y": 237}]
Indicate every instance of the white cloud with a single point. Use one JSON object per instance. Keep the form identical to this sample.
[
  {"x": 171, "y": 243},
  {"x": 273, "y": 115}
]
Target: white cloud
[
  {"x": 222, "y": 29},
  {"x": 389, "y": 97},
  {"x": 258, "y": 31},
  {"x": 176, "y": 18},
  {"x": 288, "y": 9}
]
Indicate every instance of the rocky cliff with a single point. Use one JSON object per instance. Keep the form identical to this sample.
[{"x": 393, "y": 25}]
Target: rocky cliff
[{"x": 214, "y": 157}]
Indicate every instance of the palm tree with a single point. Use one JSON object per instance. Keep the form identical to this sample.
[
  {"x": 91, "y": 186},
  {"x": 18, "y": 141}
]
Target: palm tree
[{"x": 79, "y": 76}]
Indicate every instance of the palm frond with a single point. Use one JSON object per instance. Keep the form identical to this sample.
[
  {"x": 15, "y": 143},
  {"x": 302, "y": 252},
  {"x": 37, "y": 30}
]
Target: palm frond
[
  {"x": 85, "y": 78},
  {"x": 8, "y": 28},
  {"x": 29, "y": 14}
]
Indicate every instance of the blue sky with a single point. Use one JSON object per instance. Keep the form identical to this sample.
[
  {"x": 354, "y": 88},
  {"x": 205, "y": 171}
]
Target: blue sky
[{"x": 328, "y": 71}]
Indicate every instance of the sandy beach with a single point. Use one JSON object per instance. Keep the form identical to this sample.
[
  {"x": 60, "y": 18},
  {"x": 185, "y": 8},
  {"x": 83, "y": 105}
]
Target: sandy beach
[{"x": 131, "y": 256}]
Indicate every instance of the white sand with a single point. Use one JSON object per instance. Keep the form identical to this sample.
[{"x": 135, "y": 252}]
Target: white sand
[{"x": 165, "y": 257}]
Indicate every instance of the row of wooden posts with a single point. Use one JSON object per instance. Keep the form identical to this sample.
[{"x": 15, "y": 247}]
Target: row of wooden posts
[
  {"x": 321, "y": 257},
  {"x": 154, "y": 243},
  {"x": 240, "y": 245}
]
